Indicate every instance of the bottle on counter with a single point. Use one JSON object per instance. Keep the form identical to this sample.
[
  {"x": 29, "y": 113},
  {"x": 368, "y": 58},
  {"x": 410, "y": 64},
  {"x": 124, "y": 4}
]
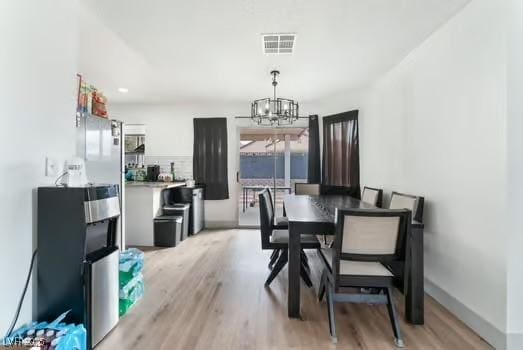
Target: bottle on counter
[{"x": 172, "y": 171}]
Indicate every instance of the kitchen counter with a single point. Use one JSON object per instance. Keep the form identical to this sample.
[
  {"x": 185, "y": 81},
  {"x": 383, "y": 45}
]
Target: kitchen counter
[
  {"x": 156, "y": 184},
  {"x": 143, "y": 202}
]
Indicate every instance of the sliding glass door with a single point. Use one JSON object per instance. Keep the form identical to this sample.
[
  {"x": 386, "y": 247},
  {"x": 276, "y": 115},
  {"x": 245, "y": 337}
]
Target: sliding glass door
[{"x": 269, "y": 157}]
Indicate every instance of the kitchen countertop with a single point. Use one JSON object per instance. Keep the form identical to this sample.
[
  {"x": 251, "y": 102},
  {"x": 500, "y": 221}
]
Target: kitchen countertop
[{"x": 153, "y": 184}]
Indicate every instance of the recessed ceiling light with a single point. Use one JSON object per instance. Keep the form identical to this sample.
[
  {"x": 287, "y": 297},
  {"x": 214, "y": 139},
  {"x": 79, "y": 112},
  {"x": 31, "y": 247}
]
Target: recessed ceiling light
[{"x": 123, "y": 90}]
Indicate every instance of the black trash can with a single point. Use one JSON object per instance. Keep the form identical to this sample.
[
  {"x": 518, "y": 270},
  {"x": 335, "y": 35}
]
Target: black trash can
[
  {"x": 167, "y": 231},
  {"x": 179, "y": 209}
]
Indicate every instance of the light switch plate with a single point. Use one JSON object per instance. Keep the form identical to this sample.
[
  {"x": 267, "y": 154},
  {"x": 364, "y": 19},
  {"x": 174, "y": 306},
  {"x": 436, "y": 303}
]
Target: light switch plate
[{"x": 52, "y": 166}]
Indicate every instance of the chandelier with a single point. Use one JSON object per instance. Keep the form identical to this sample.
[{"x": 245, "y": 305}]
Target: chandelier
[{"x": 274, "y": 111}]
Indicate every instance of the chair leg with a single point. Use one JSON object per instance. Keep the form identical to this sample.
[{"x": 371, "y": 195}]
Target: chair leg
[
  {"x": 321, "y": 290},
  {"x": 274, "y": 256},
  {"x": 305, "y": 275},
  {"x": 398, "y": 339},
  {"x": 305, "y": 260},
  {"x": 304, "y": 256},
  {"x": 332, "y": 319},
  {"x": 282, "y": 261}
]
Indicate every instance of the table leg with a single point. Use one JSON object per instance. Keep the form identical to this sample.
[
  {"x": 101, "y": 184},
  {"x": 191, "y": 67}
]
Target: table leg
[
  {"x": 415, "y": 292},
  {"x": 293, "y": 293}
]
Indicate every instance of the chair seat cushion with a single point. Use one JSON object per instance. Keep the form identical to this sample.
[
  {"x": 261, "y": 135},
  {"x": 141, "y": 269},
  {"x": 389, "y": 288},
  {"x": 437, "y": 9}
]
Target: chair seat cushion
[
  {"x": 356, "y": 268},
  {"x": 282, "y": 237},
  {"x": 281, "y": 222}
]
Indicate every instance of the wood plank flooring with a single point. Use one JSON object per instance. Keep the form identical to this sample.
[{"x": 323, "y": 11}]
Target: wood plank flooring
[{"x": 208, "y": 293}]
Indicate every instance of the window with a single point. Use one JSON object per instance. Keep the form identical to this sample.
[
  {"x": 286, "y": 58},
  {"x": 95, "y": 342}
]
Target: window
[{"x": 341, "y": 162}]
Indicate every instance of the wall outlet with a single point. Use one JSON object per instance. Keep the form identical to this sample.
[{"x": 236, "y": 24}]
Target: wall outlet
[{"x": 52, "y": 166}]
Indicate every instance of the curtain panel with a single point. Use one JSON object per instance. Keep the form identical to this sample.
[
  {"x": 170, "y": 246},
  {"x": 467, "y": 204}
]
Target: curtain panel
[
  {"x": 210, "y": 157},
  {"x": 314, "y": 165},
  {"x": 341, "y": 159}
]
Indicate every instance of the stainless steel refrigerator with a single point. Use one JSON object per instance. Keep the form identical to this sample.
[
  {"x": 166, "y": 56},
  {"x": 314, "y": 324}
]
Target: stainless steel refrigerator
[{"x": 99, "y": 142}]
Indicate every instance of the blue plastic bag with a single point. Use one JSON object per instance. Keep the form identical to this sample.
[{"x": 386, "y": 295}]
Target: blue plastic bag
[
  {"x": 131, "y": 264},
  {"x": 74, "y": 337}
]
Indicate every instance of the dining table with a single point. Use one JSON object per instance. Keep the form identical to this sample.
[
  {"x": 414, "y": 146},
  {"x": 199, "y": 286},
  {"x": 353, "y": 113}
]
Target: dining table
[{"x": 315, "y": 214}]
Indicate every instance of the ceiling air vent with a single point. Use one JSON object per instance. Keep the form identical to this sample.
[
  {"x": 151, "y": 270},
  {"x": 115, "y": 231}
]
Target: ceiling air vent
[{"x": 277, "y": 44}]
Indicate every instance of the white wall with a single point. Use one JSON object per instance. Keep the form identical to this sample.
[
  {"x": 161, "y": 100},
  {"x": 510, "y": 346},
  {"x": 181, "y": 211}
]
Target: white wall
[
  {"x": 436, "y": 126},
  {"x": 37, "y": 106},
  {"x": 515, "y": 168}
]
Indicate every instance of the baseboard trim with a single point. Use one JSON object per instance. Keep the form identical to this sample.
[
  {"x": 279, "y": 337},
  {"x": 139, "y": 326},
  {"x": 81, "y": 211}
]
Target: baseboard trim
[
  {"x": 213, "y": 225},
  {"x": 482, "y": 327}
]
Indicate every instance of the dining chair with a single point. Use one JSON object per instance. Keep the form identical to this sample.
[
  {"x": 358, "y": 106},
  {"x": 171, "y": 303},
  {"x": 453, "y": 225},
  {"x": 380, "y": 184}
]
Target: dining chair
[
  {"x": 408, "y": 201},
  {"x": 352, "y": 191},
  {"x": 279, "y": 239},
  {"x": 310, "y": 189},
  {"x": 365, "y": 241},
  {"x": 301, "y": 188},
  {"x": 278, "y": 223},
  {"x": 372, "y": 196},
  {"x": 307, "y": 189}
]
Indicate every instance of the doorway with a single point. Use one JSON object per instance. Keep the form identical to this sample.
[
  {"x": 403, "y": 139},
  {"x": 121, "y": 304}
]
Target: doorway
[{"x": 274, "y": 158}]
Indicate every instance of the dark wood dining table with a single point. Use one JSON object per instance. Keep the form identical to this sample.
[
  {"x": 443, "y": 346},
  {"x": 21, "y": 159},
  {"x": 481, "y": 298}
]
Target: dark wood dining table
[{"x": 315, "y": 215}]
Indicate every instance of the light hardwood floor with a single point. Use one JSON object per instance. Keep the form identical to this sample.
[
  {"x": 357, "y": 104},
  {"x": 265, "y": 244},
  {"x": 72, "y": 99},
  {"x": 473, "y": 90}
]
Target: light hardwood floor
[{"x": 208, "y": 293}]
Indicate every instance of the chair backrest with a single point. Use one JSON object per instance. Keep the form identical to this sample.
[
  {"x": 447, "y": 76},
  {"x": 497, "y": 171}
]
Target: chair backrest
[
  {"x": 266, "y": 218},
  {"x": 270, "y": 203},
  {"x": 408, "y": 201},
  {"x": 372, "y": 196},
  {"x": 309, "y": 189},
  {"x": 371, "y": 235},
  {"x": 351, "y": 191}
]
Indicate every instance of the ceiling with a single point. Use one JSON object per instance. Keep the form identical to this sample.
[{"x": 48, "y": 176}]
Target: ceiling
[{"x": 207, "y": 50}]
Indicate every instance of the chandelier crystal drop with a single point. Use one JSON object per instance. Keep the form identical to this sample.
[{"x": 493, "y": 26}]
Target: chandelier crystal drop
[{"x": 274, "y": 111}]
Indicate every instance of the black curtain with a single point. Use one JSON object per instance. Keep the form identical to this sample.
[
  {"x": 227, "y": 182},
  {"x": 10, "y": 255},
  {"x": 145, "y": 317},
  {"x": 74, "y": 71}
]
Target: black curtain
[
  {"x": 314, "y": 166},
  {"x": 341, "y": 158},
  {"x": 210, "y": 156}
]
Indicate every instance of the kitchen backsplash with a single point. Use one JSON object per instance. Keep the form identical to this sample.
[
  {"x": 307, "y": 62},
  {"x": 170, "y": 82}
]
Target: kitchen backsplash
[{"x": 182, "y": 165}]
